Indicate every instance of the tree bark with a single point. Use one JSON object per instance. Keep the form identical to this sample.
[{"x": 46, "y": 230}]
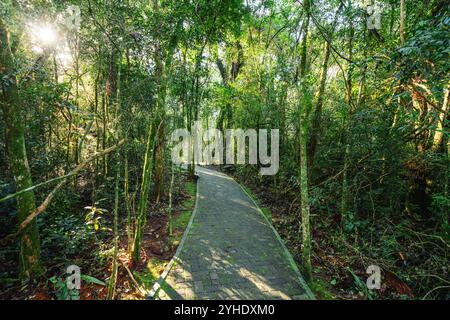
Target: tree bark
[
  {"x": 304, "y": 111},
  {"x": 439, "y": 134},
  {"x": 317, "y": 117},
  {"x": 304, "y": 196},
  {"x": 402, "y": 22},
  {"x": 304, "y": 44},
  {"x": 141, "y": 217},
  {"x": 13, "y": 113}
]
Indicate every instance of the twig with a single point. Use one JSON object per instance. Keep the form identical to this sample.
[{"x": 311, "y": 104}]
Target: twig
[
  {"x": 425, "y": 235},
  {"x": 133, "y": 280},
  {"x": 9, "y": 196},
  {"x": 437, "y": 288}
]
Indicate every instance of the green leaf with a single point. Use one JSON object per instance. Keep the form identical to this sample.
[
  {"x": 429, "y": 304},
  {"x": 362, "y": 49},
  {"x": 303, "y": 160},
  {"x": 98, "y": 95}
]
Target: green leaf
[{"x": 90, "y": 279}]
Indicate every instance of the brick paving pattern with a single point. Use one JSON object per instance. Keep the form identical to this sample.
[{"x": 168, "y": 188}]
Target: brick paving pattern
[{"x": 230, "y": 252}]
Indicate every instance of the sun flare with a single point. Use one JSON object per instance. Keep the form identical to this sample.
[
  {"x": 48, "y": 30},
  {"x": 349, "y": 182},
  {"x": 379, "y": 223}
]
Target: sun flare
[{"x": 43, "y": 35}]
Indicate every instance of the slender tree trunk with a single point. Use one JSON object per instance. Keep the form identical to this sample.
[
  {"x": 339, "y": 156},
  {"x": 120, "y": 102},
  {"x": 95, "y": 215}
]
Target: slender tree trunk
[
  {"x": 317, "y": 117},
  {"x": 104, "y": 134},
  {"x": 304, "y": 111},
  {"x": 29, "y": 254},
  {"x": 162, "y": 75},
  {"x": 402, "y": 22},
  {"x": 126, "y": 188},
  {"x": 304, "y": 195},
  {"x": 113, "y": 278},
  {"x": 439, "y": 134},
  {"x": 347, "y": 120},
  {"x": 169, "y": 218},
  {"x": 304, "y": 44},
  {"x": 141, "y": 218}
]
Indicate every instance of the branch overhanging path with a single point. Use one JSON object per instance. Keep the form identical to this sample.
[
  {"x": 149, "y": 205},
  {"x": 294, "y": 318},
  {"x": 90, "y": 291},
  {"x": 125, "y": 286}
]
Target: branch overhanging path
[{"x": 231, "y": 251}]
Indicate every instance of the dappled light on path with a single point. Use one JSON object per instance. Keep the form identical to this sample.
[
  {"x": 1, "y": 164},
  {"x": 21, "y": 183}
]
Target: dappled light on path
[{"x": 231, "y": 252}]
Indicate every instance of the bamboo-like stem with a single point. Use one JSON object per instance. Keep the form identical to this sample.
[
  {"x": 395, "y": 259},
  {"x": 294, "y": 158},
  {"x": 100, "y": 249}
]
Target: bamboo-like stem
[{"x": 113, "y": 278}]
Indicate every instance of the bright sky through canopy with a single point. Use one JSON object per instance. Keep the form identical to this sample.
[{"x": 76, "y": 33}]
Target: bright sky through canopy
[{"x": 43, "y": 34}]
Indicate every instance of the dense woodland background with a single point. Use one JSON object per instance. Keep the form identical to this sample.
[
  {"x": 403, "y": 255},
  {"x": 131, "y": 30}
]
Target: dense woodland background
[{"x": 362, "y": 112}]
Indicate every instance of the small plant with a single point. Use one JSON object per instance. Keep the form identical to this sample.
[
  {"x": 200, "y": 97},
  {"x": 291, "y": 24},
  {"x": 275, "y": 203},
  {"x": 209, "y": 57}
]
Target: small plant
[
  {"x": 63, "y": 292},
  {"x": 93, "y": 217}
]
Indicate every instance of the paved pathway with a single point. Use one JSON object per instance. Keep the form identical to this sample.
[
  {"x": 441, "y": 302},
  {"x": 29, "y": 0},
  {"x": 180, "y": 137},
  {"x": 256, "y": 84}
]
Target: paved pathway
[{"x": 231, "y": 252}]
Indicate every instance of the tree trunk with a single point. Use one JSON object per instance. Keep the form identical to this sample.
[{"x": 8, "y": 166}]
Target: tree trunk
[
  {"x": 169, "y": 218},
  {"x": 141, "y": 217},
  {"x": 304, "y": 44},
  {"x": 113, "y": 278},
  {"x": 304, "y": 111},
  {"x": 439, "y": 134},
  {"x": 162, "y": 74},
  {"x": 29, "y": 254},
  {"x": 347, "y": 120},
  {"x": 304, "y": 196},
  {"x": 402, "y": 22},
  {"x": 317, "y": 117}
]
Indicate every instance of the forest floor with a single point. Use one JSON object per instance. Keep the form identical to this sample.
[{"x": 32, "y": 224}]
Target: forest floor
[
  {"x": 339, "y": 262},
  {"x": 94, "y": 257}
]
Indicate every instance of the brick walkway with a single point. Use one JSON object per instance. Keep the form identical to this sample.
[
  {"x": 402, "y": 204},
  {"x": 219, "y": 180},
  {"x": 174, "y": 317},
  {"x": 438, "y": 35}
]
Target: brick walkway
[{"x": 231, "y": 252}]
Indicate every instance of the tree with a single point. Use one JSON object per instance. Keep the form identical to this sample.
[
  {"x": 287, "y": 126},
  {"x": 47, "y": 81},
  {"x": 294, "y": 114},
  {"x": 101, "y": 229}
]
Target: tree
[
  {"x": 13, "y": 113},
  {"x": 305, "y": 106}
]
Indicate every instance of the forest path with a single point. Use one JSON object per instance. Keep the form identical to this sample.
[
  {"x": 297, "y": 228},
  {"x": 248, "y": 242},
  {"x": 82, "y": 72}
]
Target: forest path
[{"x": 231, "y": 251}]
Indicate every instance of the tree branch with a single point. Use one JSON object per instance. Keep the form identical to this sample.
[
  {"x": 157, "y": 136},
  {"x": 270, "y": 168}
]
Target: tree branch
[{"x": 50, "y": 196}]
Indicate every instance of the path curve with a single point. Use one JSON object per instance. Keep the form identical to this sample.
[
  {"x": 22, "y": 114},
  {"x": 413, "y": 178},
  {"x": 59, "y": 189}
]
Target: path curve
[{"x": 231, "y": 251}]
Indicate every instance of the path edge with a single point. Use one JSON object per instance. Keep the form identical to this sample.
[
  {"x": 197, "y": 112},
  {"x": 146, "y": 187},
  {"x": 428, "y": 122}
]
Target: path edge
[
  {"x": 283, "y": 245},
  {"x": 157, "y": 285}
]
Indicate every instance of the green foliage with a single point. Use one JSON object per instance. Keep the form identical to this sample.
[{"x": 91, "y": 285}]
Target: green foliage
[
  {"x": 320, "y": 289},
  {"x": 152, "y": 272},
  {"x": 265, "y": 210},
  {"x": 181, "y": 221},
  {"x": 191, "y": 188},
  {"x": 236, "y": 64},
  {"x": 62, "y": 292},
  {"x": 93, "y": 217}
]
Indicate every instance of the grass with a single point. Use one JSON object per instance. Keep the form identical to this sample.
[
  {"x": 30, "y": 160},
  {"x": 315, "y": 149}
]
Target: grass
[
  {"x": 156, "y": 266},
  {"x": 181, "y": 222},
  {"x": 265, "y": 210},
  {"x": 320, "y": 289},
  {"x": 190, "y": 188}
]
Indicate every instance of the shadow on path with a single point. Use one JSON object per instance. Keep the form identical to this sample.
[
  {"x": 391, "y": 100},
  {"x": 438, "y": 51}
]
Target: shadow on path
[{"x": 231, "y": 252}]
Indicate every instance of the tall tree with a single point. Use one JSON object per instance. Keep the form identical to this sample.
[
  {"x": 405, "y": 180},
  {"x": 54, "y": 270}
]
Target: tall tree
[
  {"x": 317, "y": 116},
  {"x": 13, "y": 113},
  {"x": 305, "y": 106},
  {"x": 402, "y": 22}
]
